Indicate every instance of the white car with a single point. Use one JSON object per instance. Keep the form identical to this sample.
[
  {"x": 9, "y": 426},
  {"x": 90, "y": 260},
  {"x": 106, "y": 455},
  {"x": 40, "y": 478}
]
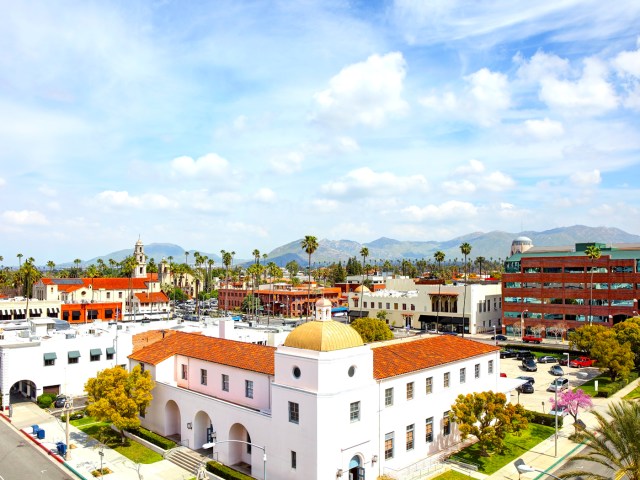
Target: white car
[{"x": 560, "y": 411}]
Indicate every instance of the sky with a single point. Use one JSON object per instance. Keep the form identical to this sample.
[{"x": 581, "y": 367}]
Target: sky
[{"x": 239, "y": 125}]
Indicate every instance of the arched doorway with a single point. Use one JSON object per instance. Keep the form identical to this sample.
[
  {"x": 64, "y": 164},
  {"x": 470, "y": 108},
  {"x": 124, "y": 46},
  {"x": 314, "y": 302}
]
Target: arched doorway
[
  {"x": 356, "y": 472},
  {"x": 172, "y": 421},
  {"x": 202, "y": 430},
  {"x": 23, "y": 390},
  {"x": 240, "y": 453}
]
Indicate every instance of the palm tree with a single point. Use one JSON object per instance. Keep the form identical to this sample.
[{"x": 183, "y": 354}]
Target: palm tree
[
  {"x": 593, "y": 253},
  {"x": 77, "y": 262},
  {"x": 92, "y": 272},
  {"x": 364, "y": 253},
  {"x": 309, "y": 244},
  {"x": 614, "y": 443},
  {"x": 439, "y": 256},
  {"x": 186, "y": 256},
  {"x": 51, "y": 265},
  {"x": 480, "y": 261},
  {"x": 227, "y": 260},
  {"x": 465, "y": 249}
]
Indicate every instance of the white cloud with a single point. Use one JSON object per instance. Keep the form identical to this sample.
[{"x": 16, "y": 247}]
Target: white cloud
[
  {"x": 365, "y": 182},
  {"x": 265, "y": 195},
  {"x": 364, "y": 93},
  {"x": 585, "y": 179},
  {"x": 3, "y": 182},
  {"x": 544, "y": 129},
  {"x": 541, "y": 66},
  {"x": 497, "y": 182},
  {"x": 347, "y": 144},
  {"x": 205, "y": 167},
  {"x": 287, "y": 164},
  {"x": 627, "y": 65},
  {"x": 444, "y": 211},
  {"x": 325, "y": 205},
  {"x": 472, "y": 177},
  {"x": 247, "y": 229},
  {"x": 151, "y": 201},
  {"x": 24, "y": 217},
  {"x": 473, "y": 168},
  {"x": 458, "y": 186}
]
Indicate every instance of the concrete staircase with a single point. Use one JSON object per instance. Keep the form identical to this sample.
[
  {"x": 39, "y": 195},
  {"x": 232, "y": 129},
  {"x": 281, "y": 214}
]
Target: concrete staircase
[{"x": 185, "y": 458}]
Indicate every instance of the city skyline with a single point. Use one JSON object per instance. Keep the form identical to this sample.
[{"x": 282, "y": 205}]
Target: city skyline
[{"x": 245, "y": 125}]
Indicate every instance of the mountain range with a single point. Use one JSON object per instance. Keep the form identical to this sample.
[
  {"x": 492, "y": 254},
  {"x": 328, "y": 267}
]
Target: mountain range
[{"x": 491, "y": 245}]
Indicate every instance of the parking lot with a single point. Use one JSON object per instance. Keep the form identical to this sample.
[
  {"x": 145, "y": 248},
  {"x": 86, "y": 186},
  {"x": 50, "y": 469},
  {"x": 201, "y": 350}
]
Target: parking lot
[{"x": 534, "y": 401}]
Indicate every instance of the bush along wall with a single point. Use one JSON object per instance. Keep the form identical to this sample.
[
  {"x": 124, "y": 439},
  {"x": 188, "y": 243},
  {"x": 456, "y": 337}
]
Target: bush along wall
[
  {"x": 225, "y": 472},
  {"x": 544, "y": 419},
  {"x": 152, "y": 437},
  {"x": 613, "y": 387}
]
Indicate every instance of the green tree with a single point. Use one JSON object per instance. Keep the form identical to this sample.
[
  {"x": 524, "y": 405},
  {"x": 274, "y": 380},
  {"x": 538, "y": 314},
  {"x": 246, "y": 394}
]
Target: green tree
[
  {"x": 439, "y": 257},
  {"x": 465, "y": 249},
  {"x": 372, "y": 329},
  {"x": 78, "y": 271},
  {"x": 227, "y": 260},
  {"x": 51, "y": 265},
  {"x": 309, "y": 244},
  {"x": 250, "y": 303},
  {"x": 118, "y": 396},
  {"x": 629, "y": 332},
  {"x": 614, "y": 444},
  {"x": 488, "y": 417},
  {"x": 612, "y": 356},
  {"x": 92, "y": 272},
  {"x": 293, "y": 268},
  {"x": 338, "y": 274},
  {"x": 593, "y": 253},
  {"x": 585, "y": 337},
  {"x": 480, "y": 261},
  {"x": 382, "y": 315}
]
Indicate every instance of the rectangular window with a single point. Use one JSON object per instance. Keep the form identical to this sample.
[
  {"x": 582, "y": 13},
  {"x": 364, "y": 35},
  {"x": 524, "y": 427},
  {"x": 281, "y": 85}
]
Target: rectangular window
[
  {"x": 354, "y": 412},
  {"x": 203, "y": 376},
  {"x": 477, "y": 370},
  {"x": 248, "y": 388},
  {"x": 404, "y": 306},
  {"x": 294, "y": 412},
  {"x": 446, "y": 424},
  {"x": 184, "y": 371},
  {"x": 428, "y": 430},
  {"x": 388, "y": 446},
  {"x": 409, "y": 437},
  {"x": 446, "y": 379},
  {"x": 490, "y": 368},
  {"x": 409, "y": 390},
  {"x": 429, "y": 385},
  {"x": 225, "y": 383},
  {"x": 119, "y": 294},
  {"x": 463, "y": 375},
  {"x": 294, "y": 460},
  {"x": 388, "y": 397},
  {"x": 94, "y": 358},
  {"x": 49, "y": 363}
]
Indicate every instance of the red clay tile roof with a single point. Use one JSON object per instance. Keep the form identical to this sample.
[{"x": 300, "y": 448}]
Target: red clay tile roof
[
  {"x": 247, "y": 356},
  {"x": 155, "y": 297},
  {"x": 404, "y": 357}
]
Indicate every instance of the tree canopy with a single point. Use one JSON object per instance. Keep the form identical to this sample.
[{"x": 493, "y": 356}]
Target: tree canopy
[
  {"x": 574, "y": 401},
  {"x": 118, "y": 396},
  {"x": 372, "y": 329}
]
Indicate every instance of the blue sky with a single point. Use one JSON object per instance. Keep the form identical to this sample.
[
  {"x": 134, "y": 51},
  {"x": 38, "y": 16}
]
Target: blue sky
[{"x": 239, "y": 125}]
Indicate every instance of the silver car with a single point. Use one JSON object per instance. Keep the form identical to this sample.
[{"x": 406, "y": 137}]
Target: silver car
[{"x": 558, "y": 385}]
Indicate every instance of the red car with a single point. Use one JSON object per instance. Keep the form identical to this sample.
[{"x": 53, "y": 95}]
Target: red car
[
  {"x": 532, "y": 339},
  {"x": 582, "y": 362}
]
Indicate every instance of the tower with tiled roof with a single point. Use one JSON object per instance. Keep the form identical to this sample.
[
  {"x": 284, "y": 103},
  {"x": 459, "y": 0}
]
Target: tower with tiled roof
[{"x": 141, "y": 260}]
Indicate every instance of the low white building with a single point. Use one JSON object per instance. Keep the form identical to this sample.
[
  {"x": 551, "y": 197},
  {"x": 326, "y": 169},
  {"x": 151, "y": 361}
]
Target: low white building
[
  {"x": 323, "y": 405},
  {"x": 433, "y": 307}
]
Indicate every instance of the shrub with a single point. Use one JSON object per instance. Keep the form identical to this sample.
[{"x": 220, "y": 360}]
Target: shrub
[
  {"x": 613, "y": 387},
  {"x": 45, "y": 400},
  {"x": 225, "y": 472},
  {"x": 544, "y": 419},
  {"x": 154, "y": 438}
]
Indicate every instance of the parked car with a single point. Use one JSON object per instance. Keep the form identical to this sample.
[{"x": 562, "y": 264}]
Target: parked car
[
  {"x": 531, "y": 339},
  {"x": 564, "y": 361},
  {"x": 500, "y": 338},
  {"x": 507, "y": 353},
  {"x": 524, "y": 354},
  {"x": 548, "y": 359},
  {"x": 530, "y": 380},
  {"x": 503, "y": 375},
  {"x": 556, "y": 370},
  {"x": 60, "y": 401},
  {"x": 525, "y": 388},
  {"x": 582, "y": 362},
  {"x": 560, "y": 411},
  {"x": 558, "y": 385},
  {"x": 529, "y": 365}
]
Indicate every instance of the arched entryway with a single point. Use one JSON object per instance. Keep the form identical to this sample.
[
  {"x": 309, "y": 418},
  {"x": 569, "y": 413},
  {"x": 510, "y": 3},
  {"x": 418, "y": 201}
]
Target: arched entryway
[
  {"x": 356, "y": 471},
  {"x": 22, "y": 390},
  {"x": 239, "y": 454},
  {"x": 172, "y": 422},
  {"x": 202, "y": 430}
]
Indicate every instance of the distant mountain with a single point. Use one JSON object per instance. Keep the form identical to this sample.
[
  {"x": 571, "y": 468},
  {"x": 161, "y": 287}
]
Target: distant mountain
[{"x": 157, "y": 251}]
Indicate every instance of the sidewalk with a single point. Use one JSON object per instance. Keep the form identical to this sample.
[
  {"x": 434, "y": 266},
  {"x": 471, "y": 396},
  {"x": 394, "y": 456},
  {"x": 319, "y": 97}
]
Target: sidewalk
[{"x": 84, "y": 452}]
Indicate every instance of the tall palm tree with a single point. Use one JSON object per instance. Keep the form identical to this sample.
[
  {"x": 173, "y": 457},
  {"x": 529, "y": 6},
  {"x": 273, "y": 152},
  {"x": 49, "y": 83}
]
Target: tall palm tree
[
  {"x": 593, "y": 253},
  {"x": 480, "y": 261},
  {"x": 186, "y": 256},
  {"x": 465, "y": 249},
  {"x": 309, "y": 244},
  {"x": 51, "y": 265},
  {"x": 92, "y": 272},
  {"x": 439, "y": 256},
  {"x": 614, "y": 443},
  {"x": 227, "y": 260},
  {"x": 364, "y": 253},
  {"x": 77, "y": 263},
  {"x": 19, "y": 260}
]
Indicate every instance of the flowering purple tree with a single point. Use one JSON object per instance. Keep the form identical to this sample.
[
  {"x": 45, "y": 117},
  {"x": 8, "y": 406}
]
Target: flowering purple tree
[{"x": 573, "y": 401}]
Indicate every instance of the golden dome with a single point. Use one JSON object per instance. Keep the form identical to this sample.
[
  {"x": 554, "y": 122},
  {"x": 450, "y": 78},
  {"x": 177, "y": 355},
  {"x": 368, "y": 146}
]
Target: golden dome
[
  {"x": 323, "y": 302},
  {"x": 323, "y": 336},
  {"x": 362, "y": 288}
]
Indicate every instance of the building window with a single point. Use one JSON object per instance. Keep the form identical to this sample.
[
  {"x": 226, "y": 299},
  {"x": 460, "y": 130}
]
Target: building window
[
  {"x": 388, "y": 397},
  {"x": 294, "y": 460},
  {"x": 203, "y": 376},
  {"x": 409, "y": 437},
  {"x": 409, "y": 390},
  {"x": 388, "y": 446},
  {"x": 294, "y": 412},
  {"x": 225, "y": 383},
  {"x": 119, "y": 294},
  {"x": 49, "y": 362},
  {"x": 428, "y": 429},
  {"x": 463, "y": 375},
  {"x": 446, "y": 379},
  {"x": 248, "y": 388},
  {"x": 446, "y": 424},
  {"x": 490, "y": 369},
  {"x": 184, "y": 371},
  {"x": 429, "y": 385},
  {"x": 477, "y": 370},
  {"x": 354, "y": 412},
  {"x": 94, "y": 358}
]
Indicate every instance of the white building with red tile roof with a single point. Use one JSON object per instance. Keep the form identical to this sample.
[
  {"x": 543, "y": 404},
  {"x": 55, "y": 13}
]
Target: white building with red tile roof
[{"x": 323, "y": 404}]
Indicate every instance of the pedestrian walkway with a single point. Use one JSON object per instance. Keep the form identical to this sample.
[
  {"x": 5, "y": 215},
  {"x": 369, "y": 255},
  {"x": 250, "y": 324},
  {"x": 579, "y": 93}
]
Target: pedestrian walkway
[{"x": 84, "y": 452}]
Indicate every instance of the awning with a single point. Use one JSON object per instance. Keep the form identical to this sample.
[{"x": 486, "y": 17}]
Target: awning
[
  {"x": 50, "y": 356},
  {"x": 96, "y": 351},
  {"x": 111, "y": 351},
  {"x": 74, "y": 354},
  {"x": 443, "y": 318},
  {"x": 358, "y": 313}
]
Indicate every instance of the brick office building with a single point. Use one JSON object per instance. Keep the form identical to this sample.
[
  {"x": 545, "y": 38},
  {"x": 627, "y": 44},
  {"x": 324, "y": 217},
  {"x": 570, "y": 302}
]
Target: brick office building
[{"x": 549, "y": 289}]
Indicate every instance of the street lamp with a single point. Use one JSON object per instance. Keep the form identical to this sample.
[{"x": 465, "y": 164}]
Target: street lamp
[
  {"x": 522, "y": 322},
  {"x": 555, "y": 409},
  {"x": 524, "y": 468},
  {"x": 495, "y": 337},
  {"x": 212, "y": 446}
]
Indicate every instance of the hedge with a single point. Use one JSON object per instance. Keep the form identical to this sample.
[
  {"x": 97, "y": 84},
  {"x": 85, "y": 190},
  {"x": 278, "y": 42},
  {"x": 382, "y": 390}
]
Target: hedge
[
  {"x": 225, "y": 472},
  {"x": 545, "y": 419},
  {"x": 152, "y": 437},
  {"x": 613, "y": 387},
  {"x": 45, "y": 400}
]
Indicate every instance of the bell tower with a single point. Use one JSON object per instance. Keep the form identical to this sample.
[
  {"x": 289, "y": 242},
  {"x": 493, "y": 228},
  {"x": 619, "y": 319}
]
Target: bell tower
[{"x": 141, "y": 260}]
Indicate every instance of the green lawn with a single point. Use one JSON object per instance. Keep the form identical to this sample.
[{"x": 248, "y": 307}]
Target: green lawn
[
  {"x": 452, "y": 475},
  {"x": 134, "y": 451},
  {"x": 633, "y": 394},
  {"x": 514, "y": 447},
  {"x": 83, "y": 421}
]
